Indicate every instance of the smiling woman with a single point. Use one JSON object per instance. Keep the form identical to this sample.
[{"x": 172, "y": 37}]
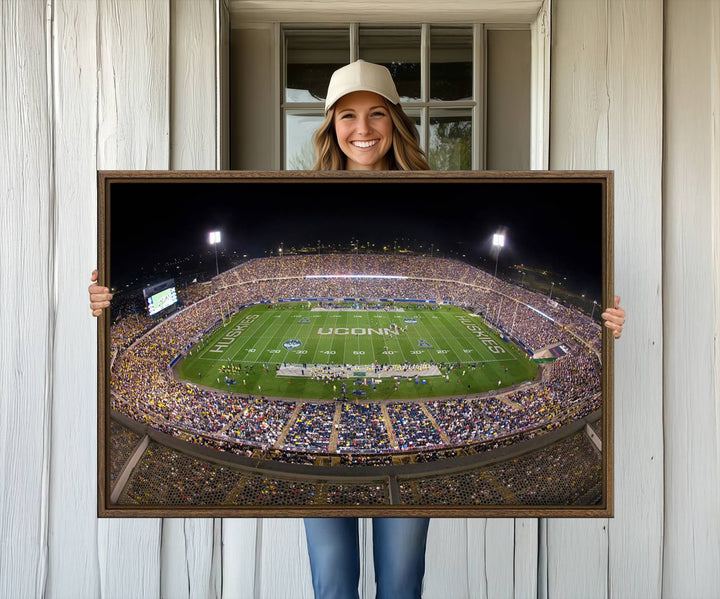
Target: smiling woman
[{"x": 365, "y": 128}]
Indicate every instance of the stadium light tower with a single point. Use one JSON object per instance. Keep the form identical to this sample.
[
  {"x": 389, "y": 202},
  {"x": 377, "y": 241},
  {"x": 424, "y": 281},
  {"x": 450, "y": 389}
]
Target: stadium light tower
[
  {"x": 499, "y": 243},
  {"x": 214, "y": 240},
  {"x": 593, "y": 310},
  {"x": 551, "y": 288}
]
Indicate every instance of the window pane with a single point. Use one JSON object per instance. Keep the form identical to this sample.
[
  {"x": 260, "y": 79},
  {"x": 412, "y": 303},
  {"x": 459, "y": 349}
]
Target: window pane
[
  {"x": 451, "y": 62},
  {"x": 311, "y": 57},
  {"x": 299, "y": 151},
  {"x": 398, "y": 50},
  {"x": 450, "y": 145},
  {"x": 415, "y": 117}
]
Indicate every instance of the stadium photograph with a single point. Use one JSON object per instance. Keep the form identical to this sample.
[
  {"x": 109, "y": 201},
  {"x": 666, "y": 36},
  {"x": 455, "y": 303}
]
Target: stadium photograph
[{"x": 294, "y": 343}]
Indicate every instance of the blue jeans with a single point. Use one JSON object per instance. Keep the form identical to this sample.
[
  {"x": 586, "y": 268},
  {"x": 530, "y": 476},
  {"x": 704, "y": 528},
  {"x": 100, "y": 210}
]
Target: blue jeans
[{"x": 398, "y": 555}]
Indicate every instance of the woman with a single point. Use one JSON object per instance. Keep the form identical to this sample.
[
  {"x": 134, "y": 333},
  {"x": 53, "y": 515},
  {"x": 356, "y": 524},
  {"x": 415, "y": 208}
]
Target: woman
[{"x": 365, "y": 128}]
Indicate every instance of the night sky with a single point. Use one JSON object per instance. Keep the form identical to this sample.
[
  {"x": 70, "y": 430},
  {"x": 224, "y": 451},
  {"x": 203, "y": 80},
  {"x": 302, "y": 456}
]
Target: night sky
[{"x": 549, "y": 225}]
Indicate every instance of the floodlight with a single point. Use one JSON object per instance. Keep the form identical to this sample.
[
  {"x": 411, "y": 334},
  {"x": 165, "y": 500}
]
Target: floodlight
[
  {"x": 214, "y": 239},
  {"x": 499, "y": 243}
]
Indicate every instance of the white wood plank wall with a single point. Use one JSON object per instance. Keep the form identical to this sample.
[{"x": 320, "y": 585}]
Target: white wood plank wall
[
  {"x": 606, "y": 113},
  {"x": 87, "y": 85},
  {"x": 27, "y": 317},
  {"x": 133, "y": 133},
  {"x": 73, "y": 539},
  {"x": 691, "y": 275}
]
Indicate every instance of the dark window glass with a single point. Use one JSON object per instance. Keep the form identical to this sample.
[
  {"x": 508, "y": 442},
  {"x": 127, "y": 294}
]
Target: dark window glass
[
  {"x": 451, "y": 64},
  {"x": 398, "y": 50},
  {"x": 310, "y": 59}
]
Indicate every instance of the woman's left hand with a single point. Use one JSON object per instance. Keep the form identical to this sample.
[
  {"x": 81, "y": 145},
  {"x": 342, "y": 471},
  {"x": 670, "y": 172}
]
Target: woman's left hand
[{"x": 615, "y": 318}]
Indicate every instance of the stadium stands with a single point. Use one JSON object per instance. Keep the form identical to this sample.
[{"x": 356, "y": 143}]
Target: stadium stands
[{"x": 143, "y": 390}]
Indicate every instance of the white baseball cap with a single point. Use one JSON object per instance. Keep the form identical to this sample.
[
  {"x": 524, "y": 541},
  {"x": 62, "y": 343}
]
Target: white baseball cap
[{"x": 361, "y": 76}]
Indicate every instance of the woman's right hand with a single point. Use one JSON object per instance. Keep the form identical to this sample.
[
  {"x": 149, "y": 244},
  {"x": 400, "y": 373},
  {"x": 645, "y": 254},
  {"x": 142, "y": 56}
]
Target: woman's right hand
[{"x": 99, "y": 296}]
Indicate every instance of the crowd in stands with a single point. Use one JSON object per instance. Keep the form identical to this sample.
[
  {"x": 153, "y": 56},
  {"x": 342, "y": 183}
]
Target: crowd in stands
[
  {"x": 123, "y": 442},
  {"x": 413, "y": 430},
  {"x": 312, "y": 429},
  {"x": 143, "y": 389},
  {"x": 161, "y": 476},
  {"x": 127, "y": 330},
  {"x": 361, "y": 429},
  {"x": 260, "y": 421},
  {"x": 356, "y": 494},
  {"x": 565, "y": 473}
]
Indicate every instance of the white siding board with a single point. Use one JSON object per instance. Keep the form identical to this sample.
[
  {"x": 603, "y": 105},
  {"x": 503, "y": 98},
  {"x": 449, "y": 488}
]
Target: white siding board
[
  {"x": 129, "y": 558},
  {"x": 73, "y": 561},
  {"x": 190, "y": 568},
  {"x": 577, "y": 559},
  {"x": 692, "y": 398},
  {"x": 193, "y": 85},
  {"x": 216, "y": 573},
  {"x": 469, "y": 558},
  {"x": 282, "y": 567},
  {"x": 576, "y": 555},
  {"x": 239, "y": 557},
  {"x": 499, "y": 559},
  {"x": 608, "y": 76},
  {"x": 542, "y": 571},
  {"x": 525, "y": 561},
  {"x": 187, "y": 559},
  {"x": 450, "y": 555},
  {"x": 133, "y": 131},
  {"x": 578, "y": 96},
  {"x": 133, "y": 127},
  {"x": 26, "y": 311},
  {"x": 367, "y": 562},
  {"x": 635, "y": 88}
]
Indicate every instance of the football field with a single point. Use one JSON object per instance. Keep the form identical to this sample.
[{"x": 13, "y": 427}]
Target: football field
[{"x": 248, "y": 354}]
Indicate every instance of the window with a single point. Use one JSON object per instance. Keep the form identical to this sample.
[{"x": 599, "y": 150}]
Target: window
[
  {"x": 433, "y": 69},
  {"x": 467, "y": 87}
]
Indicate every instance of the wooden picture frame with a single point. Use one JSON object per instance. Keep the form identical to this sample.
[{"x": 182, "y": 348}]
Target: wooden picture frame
[{"x": 408, "y": 424}]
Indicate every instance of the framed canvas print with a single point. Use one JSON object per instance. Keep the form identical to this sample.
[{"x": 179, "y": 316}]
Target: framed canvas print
[{"x": 355, "y": 344}]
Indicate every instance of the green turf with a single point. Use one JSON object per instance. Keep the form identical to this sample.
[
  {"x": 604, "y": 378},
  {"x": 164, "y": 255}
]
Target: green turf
[{"x": 251, "y": 344}]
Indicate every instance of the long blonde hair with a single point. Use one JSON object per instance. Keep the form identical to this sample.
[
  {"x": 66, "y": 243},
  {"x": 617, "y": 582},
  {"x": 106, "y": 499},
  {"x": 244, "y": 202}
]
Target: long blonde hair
[{"x": 404, "y": 155}]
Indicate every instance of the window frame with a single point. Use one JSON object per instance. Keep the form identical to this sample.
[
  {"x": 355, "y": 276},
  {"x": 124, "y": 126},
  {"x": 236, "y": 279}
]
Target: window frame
[{"x": 271, "y": 14}]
